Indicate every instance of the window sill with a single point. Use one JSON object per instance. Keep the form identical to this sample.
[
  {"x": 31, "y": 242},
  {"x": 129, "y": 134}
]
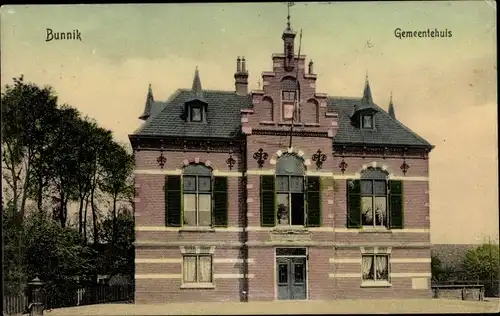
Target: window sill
[
  {"x": 267, "y": 123},
  {"x": 197, "y": 229},
  {"x": 290, "y": 228},
  {"x": 198, "y": 286},
  {"x": 290, "y": 123},
  {"x": 375, "y": 230},
  {"x": 376, "y": 284}
]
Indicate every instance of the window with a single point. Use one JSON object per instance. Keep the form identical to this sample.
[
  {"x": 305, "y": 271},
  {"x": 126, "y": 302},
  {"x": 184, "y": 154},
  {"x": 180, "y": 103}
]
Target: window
[
  {"x": 373, "y": 203},
  {"x": 197, "y": 192},
  {"x": 375, "y": 268},
  {"x": 288, "y": 96},
  {"x": 195, "y": 198},
  {"x": 290, "y": 199},
  {"x": 196, "y": 114},
  {"x": 290, "y": 191},
  {"x": 197, "y": 268},
  {"x": 367, "y": 121}
]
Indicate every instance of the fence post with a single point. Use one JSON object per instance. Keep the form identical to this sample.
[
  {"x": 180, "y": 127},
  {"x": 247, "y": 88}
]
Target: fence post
[{"x": 36, "y": 306}]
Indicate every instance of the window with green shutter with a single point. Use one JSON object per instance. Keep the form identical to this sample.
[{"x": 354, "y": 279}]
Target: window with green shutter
[
  {"x": 220, "y": 202},
  {"x": 313, "y": 201},
  {"x": 374, "y": 201},
  {"x": 173, "y": 204},
  {"x": 396, "y": 204},
  {"x": 353, "y": 203},
  {"x": 197, "y": 196},
  {"x": 268, "y": 211}
]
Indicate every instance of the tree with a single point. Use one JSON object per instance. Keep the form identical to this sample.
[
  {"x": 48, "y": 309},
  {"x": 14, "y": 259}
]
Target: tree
[
  {"x": 116, "y": 179},
  {"x": 441, "y": 272},
  {"x": 27, "y": 112},
  {"x": 56, "y": 256},
  {"x": 482, "y": 263},
  {"x": 119, "y": 234}
]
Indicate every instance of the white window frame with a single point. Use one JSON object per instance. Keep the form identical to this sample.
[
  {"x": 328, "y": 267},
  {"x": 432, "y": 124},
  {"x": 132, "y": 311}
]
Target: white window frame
[
  {"x": 198, "y": 251},
  {"x": 376, "y": 251},
  {"x": 373, "y": 196},
  {"x": 289, "y": 193}
]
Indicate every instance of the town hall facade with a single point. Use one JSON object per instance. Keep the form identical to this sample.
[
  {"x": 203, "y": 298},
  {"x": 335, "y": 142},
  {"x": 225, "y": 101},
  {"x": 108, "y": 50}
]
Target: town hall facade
[{"x": 282, "y": 193}]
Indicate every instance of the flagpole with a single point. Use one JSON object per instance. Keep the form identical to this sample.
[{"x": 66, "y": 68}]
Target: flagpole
[{"x": 297, "y": 91}]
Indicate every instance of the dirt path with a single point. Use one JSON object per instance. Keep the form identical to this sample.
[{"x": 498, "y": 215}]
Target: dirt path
[{"x": 289, "y": 307}]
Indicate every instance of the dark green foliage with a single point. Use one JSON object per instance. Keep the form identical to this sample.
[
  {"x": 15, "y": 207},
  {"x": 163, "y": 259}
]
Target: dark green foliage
[{"x": 53, "y": 158}]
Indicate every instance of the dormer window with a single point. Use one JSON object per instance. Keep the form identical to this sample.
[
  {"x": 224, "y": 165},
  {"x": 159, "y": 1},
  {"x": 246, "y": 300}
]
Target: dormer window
[
  {"x": 196, "y": 114},
  {"x": 367, "y": 121}
]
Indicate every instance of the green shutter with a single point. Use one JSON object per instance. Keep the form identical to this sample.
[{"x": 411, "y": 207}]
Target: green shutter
[
  {"x": 396, "y": 203},
  {"x": 267, "y": 204},
  {"x": 173, "y": 201},
  {"x": 313, "y": 201},
  {"x": 220, "y": 202},
  {"x": 353, "y": 203}
]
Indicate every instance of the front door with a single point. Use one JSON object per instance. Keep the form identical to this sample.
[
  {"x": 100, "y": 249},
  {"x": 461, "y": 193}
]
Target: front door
[{"x": 291, "y": 278}]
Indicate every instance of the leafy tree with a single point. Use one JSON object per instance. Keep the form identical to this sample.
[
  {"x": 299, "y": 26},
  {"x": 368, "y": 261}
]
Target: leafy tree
[
  {"x": 56, "y": 256},
  {"x": 13, "y": 265},
  {"x": 119, "y": 234},
  {"x": 116, "y": 178},
  {"x": 52, "y": 157},
  {"x": 482, "y": 263},
  {"x": 441, "y": 272},
  {"x": 27, "y": 112}
]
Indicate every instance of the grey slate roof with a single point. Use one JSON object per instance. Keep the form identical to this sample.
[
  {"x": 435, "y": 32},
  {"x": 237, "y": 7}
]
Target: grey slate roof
[
  {"x": 388, "y": 131},
  {"x": 223, "y": 116},
  {"x": 224, "y": 120}
]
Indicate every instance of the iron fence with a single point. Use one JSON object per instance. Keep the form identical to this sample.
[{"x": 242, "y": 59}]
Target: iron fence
[
  {"x": 15, "y": 304},
  {"x": 96, "y": 294}
]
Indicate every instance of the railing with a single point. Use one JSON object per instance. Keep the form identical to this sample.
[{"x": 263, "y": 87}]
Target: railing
[
  {"x": 97, "y": 294},
  {"x": 15, "y": 304}
]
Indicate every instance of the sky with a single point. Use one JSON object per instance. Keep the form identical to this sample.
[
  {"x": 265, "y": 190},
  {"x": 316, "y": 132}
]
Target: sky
[{"x": 444, "y": 89}]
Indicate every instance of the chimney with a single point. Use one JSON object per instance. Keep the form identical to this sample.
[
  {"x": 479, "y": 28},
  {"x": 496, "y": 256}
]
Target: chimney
[{"x": 241, "y": 77}]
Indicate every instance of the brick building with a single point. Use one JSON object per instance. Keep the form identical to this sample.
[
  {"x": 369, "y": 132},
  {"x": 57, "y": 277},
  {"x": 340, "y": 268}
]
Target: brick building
[{"x": 226, "y": 209}]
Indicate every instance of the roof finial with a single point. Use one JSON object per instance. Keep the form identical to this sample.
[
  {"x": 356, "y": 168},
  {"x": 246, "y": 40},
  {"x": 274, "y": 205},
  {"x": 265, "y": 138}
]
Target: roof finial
[
  {"x": 149, "y": 103},
  {"x": 289, "y": 4},
  {"x": 258, "y": 83},
  {"x": 196, "y": 90},
  {"x": 391, "y": 111},
  {"x": 367, "y": 92}
]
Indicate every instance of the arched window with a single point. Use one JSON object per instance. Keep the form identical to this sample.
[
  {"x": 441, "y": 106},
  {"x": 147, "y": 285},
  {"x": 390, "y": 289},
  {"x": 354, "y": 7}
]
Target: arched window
[
  {"x": 197, "y": 195},
  {"x": 267, "y": 108},
  {"x": 290, "y": 191},
  {"x": 289, "y": 88},
  {"x": 311, "y": 111},
  {"x": 374, "y": 197}
]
